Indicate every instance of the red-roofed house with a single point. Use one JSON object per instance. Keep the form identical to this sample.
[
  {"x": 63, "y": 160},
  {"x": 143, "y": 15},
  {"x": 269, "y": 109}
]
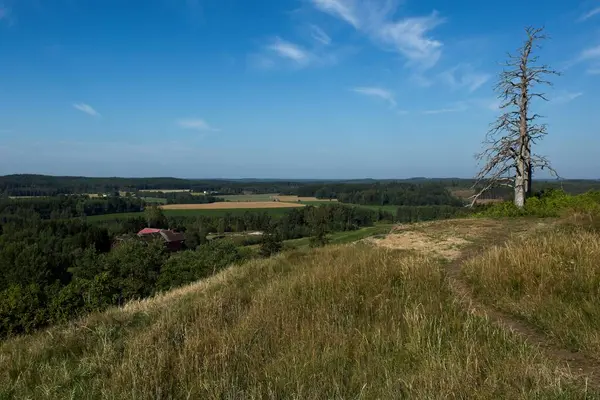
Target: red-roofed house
[
  {"x": 173, "y": 240},
  {"x": 147, "y": 231}
]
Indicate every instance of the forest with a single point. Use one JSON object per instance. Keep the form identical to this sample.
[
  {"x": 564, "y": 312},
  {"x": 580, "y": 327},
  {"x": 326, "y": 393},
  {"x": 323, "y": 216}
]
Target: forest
[
  {"x": 53, "y": 268},
  {"x": 68, "y": 206},
  {"x": 56, "y": 265}
]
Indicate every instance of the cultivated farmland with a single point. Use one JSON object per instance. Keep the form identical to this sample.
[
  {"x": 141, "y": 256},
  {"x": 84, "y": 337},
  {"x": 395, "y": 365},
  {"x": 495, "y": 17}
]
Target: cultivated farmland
[
  {"x": 295, "y": 199},
  {"x": 249, "y": 197},
  {"x": 231, "y": 205},
  {"x": 166, "y": 190}
]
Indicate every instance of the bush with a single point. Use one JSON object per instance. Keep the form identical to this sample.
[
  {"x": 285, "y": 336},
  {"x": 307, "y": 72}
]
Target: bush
[
  {"x": 271, "y": 244},
  {"x": 189, "y": 266},
  {"x": 22, "y": 309},
  {"x": 551, "y": 203}
]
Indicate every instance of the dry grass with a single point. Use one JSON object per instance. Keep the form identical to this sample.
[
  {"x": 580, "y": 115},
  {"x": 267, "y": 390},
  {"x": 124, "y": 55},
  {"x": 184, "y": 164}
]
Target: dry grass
[
  {"x": 448, "y": 238},
  {"x": 551, "y": 280},
  {"x": 449, "y": 247},
  {"x": 342, "y": 322},
  {"x": 230, "y": 205}
]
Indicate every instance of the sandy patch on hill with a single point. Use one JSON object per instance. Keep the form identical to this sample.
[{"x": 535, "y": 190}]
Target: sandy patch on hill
[{"x": 448, "y": 247}]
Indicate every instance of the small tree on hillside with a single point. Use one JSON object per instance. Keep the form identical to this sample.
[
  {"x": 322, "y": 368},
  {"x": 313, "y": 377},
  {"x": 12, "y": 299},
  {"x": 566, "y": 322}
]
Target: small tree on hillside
[
  {"x": 155, "y": 217},
  {"x": 271, "y": 242},
  {"x": 508, "y": 159}
]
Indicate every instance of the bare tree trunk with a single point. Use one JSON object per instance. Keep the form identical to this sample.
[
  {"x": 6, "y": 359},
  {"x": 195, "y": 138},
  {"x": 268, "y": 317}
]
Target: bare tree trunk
[
  {"x": 528, "y": 169},
  {"x": 509, "y": 159},
  {"x": 520, "y": 183}
]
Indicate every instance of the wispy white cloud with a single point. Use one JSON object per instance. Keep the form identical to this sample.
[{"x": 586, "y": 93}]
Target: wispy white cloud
[
  {"x": 589, "y": 14},
  {"x": 260, "y": 61},
  {"x": 196, "y": 124},
  {"x": 594, "y": 70},
  {"x": 4, "y": 12},
  {"x": 86, "y": 108},
  {"x": 565, "y": 97},
  {"x": 591, "y": 53},
  {"x": 289, "y": 51},
  {"x": 6, "y": 131},
  {"x": 343, "y": 9},
  {"x": 319, "y": 35},
  {"x": 6, "y": 15},
  {"x": 464, "y": 76},
  {"x": 409, "y": 37},
  {"x": 457, "y": 107},
  {"x": 421, "y": 80},
  {"x": 281, "y": 53},
  {"x": 377, "y": 92},
  {"x": 375, "y": 18}
]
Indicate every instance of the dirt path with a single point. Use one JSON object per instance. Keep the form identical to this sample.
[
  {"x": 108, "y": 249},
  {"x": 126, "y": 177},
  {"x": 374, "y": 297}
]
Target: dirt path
[
  {"x": 577, "y": 363},
  {"x": 460, "y": 240}
]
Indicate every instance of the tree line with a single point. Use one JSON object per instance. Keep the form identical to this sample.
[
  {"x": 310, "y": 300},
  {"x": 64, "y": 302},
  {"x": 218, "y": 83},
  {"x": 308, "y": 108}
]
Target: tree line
[
  {"x": 384, "y": 193},
  {"x": 69, "y": 206},
  {"x": 53, "y": 270},
  {"x": 43, "y": 185},
  {"x": 182, "y": 197}
]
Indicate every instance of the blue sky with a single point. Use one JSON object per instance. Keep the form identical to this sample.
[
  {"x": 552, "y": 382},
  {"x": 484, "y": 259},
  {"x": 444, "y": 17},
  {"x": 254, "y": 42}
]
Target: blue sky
[{"x": 282, "y": 88}]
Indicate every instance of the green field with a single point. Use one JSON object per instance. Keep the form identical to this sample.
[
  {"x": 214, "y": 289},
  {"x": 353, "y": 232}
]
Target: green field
[
  {"x": 155, "y": 200},
  {"x": 249, "y": 197},
  {"x": 318, "y": 202},
  {"x": 268, "y": 197},
  {"x": 345, "y": 237}
]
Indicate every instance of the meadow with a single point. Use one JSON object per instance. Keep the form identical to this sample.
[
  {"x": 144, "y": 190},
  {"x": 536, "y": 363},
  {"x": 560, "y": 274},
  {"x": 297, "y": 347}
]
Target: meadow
[
  {"x": 231, "y": 205},
  {"x": 273, "y": 196},
  {"x": 248, "y": 197},
  {"x": 154, "y": 200},
  {"x": 345, "y": 237},
  {"x": 165, "y": 190},
  {"x": 359, "y": 321}
]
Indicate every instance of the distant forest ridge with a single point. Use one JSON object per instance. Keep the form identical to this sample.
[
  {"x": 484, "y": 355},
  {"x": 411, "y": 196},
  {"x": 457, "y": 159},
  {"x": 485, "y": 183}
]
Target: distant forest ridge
[{"x": 46, "y": 185}]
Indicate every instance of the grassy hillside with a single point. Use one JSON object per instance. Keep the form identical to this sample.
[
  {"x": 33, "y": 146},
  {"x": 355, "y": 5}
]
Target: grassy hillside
[
  {"x": 345, "y": 237},
  {"x": 551, "y": 281},
  {"x": 382, "y": 319}
]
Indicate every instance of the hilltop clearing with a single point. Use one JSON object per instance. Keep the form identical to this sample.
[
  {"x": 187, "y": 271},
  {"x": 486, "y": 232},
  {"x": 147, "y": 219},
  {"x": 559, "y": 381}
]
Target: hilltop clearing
[{"x": 411, "y": 314}]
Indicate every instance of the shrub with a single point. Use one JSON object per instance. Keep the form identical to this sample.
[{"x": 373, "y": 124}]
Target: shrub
[
  {"x": 551, "y": 203},
  {"x": 189, "y": 266},
  {"x": 22, "y": 309}
]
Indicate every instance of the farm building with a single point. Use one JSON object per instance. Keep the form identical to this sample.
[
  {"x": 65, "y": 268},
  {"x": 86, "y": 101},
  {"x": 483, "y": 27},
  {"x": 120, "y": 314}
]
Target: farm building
[{"x": 173, "y": 240}]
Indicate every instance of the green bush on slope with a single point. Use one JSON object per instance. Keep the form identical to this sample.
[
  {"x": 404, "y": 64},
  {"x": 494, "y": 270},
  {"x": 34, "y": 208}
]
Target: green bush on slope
[{"x": 552, "y": 203}]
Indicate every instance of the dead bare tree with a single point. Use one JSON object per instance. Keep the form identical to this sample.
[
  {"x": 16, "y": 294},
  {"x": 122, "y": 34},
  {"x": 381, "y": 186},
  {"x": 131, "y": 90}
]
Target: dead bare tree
[{"x": 508, "y": 159}]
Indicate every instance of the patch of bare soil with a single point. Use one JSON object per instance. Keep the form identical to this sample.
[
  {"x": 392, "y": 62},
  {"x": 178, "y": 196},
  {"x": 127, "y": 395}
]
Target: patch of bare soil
[
  {"x": 447, "y": 247},
  {"x": 445, "y": 239}
]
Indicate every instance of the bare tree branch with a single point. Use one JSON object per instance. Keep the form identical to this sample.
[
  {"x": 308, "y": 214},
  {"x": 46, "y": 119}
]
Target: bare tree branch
[{"x": 508, "y": 155}]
